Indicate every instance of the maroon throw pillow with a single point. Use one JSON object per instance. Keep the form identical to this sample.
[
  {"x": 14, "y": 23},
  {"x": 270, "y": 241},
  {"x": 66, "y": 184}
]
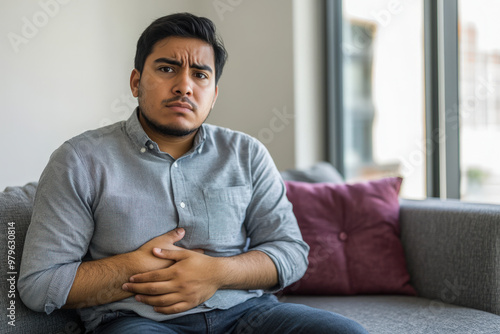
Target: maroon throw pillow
[{"x": 353, "y": 231}]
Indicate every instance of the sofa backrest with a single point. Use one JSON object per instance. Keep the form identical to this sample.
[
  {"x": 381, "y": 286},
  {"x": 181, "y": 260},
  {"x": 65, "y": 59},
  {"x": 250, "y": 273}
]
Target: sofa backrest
[{"x": 16, "y": 205}]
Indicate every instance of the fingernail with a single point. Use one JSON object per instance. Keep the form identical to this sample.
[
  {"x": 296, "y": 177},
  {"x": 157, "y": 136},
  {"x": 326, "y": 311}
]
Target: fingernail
[
  {"x": 125, "y": 287},
  {"x": 157, "y": 250},
  {"x": 131, "y": 279},
  {"x": 180, "y": 230},
  {"x": 138, "y": 298}
]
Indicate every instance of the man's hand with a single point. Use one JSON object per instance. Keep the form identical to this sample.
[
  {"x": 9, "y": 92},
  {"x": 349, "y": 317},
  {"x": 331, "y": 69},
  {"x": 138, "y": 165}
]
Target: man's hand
[
  {"x": 100, "y": 281},
  {"x": 144, "y": 254},
  {"x": 195, "y": 277},
  {"x": 190, "y": 281}
]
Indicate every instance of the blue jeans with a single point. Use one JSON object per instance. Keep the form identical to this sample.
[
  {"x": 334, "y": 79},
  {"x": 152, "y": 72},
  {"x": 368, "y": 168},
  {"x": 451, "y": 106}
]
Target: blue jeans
[{"x": 258, "y": 315}]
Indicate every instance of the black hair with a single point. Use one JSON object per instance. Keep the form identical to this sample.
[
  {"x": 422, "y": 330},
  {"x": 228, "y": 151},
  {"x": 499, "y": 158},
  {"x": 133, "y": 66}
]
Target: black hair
[{"x": 181, "y": 25}]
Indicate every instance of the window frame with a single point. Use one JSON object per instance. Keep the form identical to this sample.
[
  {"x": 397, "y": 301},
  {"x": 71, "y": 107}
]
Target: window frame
[{"x": 441, "y": 94}]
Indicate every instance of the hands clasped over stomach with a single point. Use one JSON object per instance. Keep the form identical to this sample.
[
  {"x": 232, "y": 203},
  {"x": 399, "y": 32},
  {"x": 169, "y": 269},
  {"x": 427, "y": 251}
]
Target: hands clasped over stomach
[{"x": 188, "y": 279}]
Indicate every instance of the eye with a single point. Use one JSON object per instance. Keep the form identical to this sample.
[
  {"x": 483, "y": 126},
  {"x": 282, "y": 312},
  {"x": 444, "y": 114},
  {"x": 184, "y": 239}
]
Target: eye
[
  {"x": 201, "y": 75},
  {"x": 166, "y": 69}
]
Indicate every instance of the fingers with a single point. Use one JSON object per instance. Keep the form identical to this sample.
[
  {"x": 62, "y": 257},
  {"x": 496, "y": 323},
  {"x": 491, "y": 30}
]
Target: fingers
[
  {"x": 165, "y": 254},
  {"x": 170, "y": 303},
  {"x": 151, "y": 289},
  {"x": 172, "y": 237},
  {"x": 166, "y": 240},
  {"x": 175, "y": 255},
  {"x": 160, "y": 275},
  {"x": 161, "y": 295}
]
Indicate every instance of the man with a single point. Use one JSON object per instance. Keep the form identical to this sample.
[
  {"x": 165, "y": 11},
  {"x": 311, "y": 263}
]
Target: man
[{"x": 163, "y": 223}]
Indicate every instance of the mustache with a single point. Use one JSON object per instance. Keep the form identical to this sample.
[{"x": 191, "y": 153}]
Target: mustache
[{"x": 182, "y": 99}]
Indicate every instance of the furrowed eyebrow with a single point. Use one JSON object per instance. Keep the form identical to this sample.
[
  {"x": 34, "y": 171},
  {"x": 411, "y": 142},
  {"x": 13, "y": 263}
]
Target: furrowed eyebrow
[
  {"x": 202, "y": 67},
  {"x": 168, "y": 61},
  {"x": 178, "y": 63}
]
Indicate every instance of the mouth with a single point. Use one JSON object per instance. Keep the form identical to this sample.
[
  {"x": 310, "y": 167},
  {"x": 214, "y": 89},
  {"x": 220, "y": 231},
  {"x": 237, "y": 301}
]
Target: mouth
[{"x": 180, "y": 107}]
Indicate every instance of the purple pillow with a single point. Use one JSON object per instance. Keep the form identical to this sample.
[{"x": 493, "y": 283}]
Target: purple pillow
[{"x": 353, "y": 231}]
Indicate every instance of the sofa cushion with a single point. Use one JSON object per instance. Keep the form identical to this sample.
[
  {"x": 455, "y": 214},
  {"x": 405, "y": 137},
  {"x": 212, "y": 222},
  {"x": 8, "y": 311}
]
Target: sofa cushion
[
  {"x": 353, "y": 232},
  {"x": 16, "y": 205},
  {"x": 320, "y": 172},
  {"x": 403, "y": 314}
]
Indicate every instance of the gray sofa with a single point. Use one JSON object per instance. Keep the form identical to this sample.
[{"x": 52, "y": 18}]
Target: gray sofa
[{"x": 452, "y": 251}]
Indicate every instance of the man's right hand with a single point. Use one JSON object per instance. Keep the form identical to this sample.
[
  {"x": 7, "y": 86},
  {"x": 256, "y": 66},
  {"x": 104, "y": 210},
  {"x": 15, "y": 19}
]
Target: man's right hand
[
  {"x": 144, "y": 254},
  {"x": 99, "y": 282}
]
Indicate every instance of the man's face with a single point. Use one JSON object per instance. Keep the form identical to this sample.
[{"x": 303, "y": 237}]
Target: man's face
[{"x": 176, "y": 89}]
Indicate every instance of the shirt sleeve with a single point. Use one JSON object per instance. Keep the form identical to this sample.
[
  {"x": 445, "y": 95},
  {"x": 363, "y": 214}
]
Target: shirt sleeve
[
  {"x": 59, "y": 233},
  {"x": 271, "y": 224}
]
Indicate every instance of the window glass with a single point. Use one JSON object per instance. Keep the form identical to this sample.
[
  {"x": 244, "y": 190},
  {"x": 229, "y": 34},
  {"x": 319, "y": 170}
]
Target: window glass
[
  {"x": 384, "y": 92},
  {"x": 479, "y": 72}
]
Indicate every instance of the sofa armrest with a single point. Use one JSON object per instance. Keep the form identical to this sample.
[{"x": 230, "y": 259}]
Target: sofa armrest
[
  {"x": 16, "y": 206},
  {"x": 453, "y": 251}
]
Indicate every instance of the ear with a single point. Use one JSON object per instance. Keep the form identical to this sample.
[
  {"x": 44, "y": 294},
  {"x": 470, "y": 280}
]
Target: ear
[
  {"x": 215, "y": 96},
  {"x": 135, "y": 78}
]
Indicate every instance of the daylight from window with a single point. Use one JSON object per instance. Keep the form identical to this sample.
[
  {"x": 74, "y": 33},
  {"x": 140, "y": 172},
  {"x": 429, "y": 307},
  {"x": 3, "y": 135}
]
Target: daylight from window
[
  {"x": 479, "y": 57},
  {"x": 384, "y": 98},
  {"x": 384, "y": 92}
]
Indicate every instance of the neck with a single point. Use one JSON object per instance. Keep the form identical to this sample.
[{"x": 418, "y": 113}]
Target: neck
[{"x": 173, "y": 145}]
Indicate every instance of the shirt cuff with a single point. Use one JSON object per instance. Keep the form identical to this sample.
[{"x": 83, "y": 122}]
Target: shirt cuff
[
  {"x": 290, "y": 261},
  {"x": 59, "y": 286}
]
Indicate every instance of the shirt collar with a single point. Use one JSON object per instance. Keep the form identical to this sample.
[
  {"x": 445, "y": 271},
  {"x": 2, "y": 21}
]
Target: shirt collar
[{"x": 138, "y": 135}]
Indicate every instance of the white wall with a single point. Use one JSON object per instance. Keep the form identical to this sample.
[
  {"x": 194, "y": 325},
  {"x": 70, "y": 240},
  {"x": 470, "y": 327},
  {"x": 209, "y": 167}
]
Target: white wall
[
  {"x": 68, "y": 75},
  {"x": 309, "y": 81},
  {"x": 71, "y": 73},
  {"x": 256, "y": 90}
]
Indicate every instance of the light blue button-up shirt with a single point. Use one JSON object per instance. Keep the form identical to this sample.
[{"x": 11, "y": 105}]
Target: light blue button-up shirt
[{"x": 110, "y": 190}]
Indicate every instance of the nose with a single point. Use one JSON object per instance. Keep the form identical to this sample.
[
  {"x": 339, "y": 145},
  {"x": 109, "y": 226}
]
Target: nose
[{"x": 183, "y": 85}]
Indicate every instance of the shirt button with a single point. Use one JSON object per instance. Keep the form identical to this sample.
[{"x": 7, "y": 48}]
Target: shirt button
[
  {"x": 343, "y": 236},
  {"x": 151, "y": 146},
  {"x": 175, "y": 164},
  {"x": 183, "y": 205},
  {"x": 143, "y": 150}
]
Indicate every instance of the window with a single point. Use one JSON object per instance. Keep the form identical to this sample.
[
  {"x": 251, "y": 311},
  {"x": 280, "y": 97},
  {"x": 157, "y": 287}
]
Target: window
[
  {"x": 412, "y": 89},
  {"x": 383, "y": 92},
  {"x": 479, "y": 99}
]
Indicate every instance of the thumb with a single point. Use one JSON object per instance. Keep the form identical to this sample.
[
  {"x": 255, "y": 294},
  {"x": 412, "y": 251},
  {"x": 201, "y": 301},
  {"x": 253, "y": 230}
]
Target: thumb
[
  {"x": 172, "y": 237},
  {"x": 168, "y": 254},
  {"x": 164, "y": 253}
]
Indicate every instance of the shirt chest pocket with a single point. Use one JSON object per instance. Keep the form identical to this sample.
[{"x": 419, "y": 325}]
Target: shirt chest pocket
[{"x": 226, "y": 209}]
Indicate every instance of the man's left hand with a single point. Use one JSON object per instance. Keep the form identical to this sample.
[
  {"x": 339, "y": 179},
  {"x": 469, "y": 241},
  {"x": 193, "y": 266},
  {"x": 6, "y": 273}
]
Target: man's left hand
[{"x": 190, "y": 281}]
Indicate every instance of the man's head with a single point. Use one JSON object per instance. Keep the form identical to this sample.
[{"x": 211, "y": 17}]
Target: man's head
[
  {"x": 181, "y": 25},
  {"x": 178, "y": 62}
]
